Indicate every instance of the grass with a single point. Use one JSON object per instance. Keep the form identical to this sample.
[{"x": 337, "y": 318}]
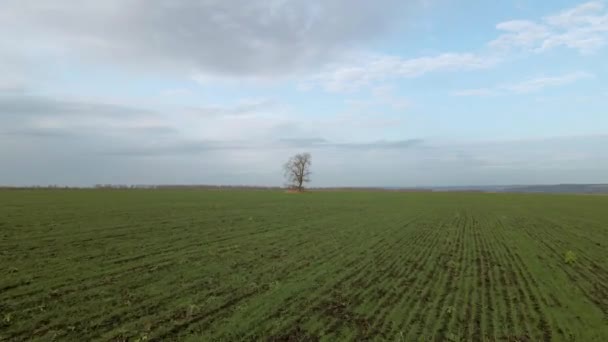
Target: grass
[{"x": 145, "y": 265}]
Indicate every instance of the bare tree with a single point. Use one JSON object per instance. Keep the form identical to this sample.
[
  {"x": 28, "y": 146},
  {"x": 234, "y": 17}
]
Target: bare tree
[{"x": 297, "y": 170}]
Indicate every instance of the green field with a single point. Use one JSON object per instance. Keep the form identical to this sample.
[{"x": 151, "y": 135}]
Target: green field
[{"x": 208, "y": 265}]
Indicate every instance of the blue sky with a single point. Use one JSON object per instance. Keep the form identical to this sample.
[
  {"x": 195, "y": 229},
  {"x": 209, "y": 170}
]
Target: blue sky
[{"x": 394, "y": 93}]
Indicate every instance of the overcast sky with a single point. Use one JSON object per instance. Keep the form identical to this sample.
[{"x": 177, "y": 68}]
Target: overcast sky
[{"x": 381, "y": 93}]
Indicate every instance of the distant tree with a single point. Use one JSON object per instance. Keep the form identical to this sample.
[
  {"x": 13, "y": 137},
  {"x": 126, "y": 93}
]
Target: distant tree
[{"x": 297, "y": 170}]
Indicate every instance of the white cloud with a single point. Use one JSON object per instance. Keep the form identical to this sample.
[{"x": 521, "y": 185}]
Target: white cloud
[
  {"x": 382, "y": 68},
  {"x": 580, "y": 15},
  {"x": 527, "y": 86},
  {"x": 520, "y": 33},
  {"x": 237, "y": 38},
  {"x": 243, "y": 107},
  {"x": 540, "y": 83},
  {"x": 584, "y": 28}
]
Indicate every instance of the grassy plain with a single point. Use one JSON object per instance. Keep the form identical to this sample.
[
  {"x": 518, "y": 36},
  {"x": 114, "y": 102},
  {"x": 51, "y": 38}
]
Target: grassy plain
[{"x": 205, "y": 265}]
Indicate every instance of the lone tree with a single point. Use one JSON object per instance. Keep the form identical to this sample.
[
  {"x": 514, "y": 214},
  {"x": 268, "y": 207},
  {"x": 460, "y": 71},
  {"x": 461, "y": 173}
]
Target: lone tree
[{"x": 297, "y": 171}]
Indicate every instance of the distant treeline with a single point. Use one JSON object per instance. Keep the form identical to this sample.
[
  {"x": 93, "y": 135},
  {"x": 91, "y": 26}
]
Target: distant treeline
[
  {"x": 211, "y": 187},
  {"x": 39, "y": 187},
  {"x": 372, "y": 189},
  {"x": 558, "y": 188},
  {"x": 142, "y": 186}
]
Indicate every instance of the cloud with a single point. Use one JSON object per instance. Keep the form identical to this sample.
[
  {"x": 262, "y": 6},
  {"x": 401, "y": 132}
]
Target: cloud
[
  {"x": 140, "y": 153},
  {"x": 381, "y": 144},
  {"x": 322, "y": 42},
  {"x": 76, "y": 123},
  {"x": 520, "y": 34},
  {"x": 540, "y": 83},
  {"x": 316, "y": 143},
  {"x": 243, "y": 107},
  {"x": 527, "y": 86},
  {"x": 35, "y": 105},
  {"x": 268, "y": 38},
  {"x": 584, "y": 28},
  {"x": 38, "y": 132},
  {"x": 584, "y": 14},
  {"x": 552, "y": 160},
  {"x": 173, "y": 148},
  {"x": 78, "y": 126},
  {"x": 303, "y": 142},
  {"x": 548, "y": 154},
  {"x": 105, "y": 123},
  {"x": 66, "y": 140},
  {"x": 185, "y": 147},
  {"x": 383, "y": 68}
]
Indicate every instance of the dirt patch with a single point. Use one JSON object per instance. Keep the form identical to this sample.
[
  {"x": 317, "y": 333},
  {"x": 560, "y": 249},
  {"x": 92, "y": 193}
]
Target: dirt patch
[
  {"x": 291, "y": 191},
  {"x": 338, "y": 308},
  {"x": 293, "y": 335}
]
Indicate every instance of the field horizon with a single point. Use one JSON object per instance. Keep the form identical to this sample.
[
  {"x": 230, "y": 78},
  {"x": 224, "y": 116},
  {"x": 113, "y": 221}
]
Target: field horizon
[{"x": 563, "y": 188}]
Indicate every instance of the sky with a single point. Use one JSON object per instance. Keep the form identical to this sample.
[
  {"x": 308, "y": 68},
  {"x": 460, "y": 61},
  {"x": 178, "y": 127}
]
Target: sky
[{"x": 381, "y": 93}]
